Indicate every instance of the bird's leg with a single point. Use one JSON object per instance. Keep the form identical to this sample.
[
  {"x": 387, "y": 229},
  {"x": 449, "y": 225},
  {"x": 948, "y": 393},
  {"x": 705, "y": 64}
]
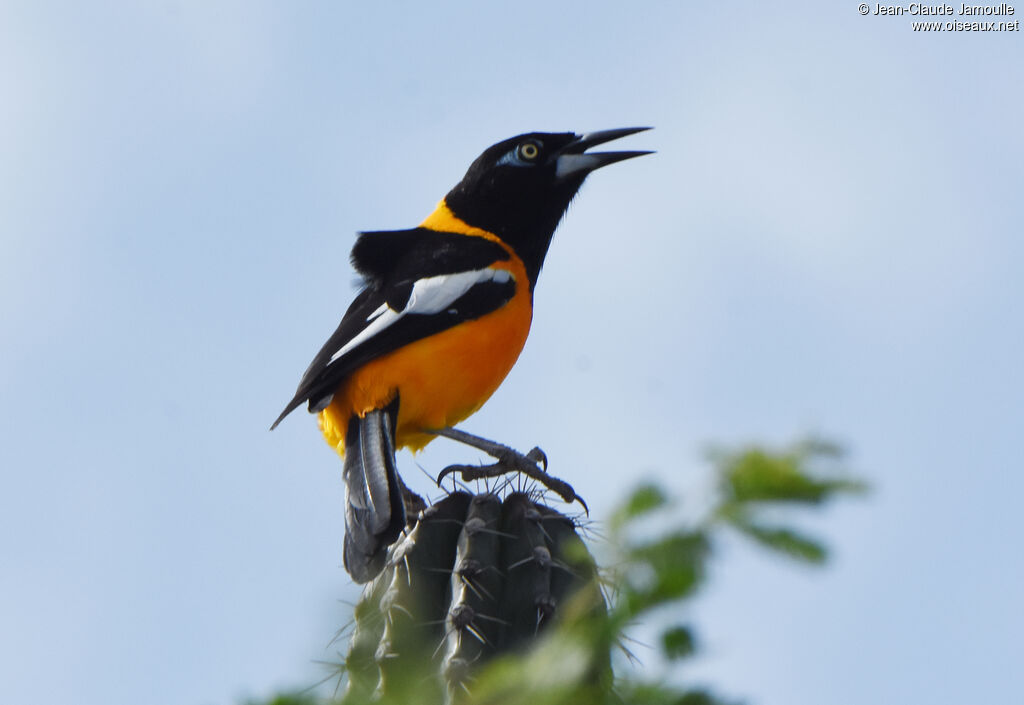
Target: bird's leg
[{"x": 533, "y": 464}]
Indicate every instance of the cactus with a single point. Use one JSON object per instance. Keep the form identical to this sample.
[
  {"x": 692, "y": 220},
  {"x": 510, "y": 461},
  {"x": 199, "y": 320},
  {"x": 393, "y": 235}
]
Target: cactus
[{"x": 475, "y": 577}]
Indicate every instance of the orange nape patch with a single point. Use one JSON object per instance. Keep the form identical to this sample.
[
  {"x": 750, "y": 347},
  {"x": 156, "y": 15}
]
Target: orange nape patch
[
  {"x": 443, "y": 378},
  {"x": 445, "y": 221}
]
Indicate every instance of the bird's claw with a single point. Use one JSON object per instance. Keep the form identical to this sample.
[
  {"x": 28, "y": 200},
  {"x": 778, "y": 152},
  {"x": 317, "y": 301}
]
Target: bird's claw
[
  {"x": 538, "y": 456},
  {"x": 534, "y": 465}
]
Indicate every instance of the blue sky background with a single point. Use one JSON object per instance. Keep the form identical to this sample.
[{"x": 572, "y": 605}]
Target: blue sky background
[{"x": 829, "y": 239}]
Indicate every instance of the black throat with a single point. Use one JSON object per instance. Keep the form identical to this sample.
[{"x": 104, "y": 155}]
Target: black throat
[{"x": 527, "y": 229}]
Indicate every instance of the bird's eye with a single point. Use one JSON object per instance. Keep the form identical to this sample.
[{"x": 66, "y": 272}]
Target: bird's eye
[
  {"x": 529, "y": 151},
  {"x": 526, "y": 153}
]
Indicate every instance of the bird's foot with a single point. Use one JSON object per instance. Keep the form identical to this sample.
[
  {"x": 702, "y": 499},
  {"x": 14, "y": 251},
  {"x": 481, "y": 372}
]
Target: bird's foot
[{"x": 533, "y": 464}]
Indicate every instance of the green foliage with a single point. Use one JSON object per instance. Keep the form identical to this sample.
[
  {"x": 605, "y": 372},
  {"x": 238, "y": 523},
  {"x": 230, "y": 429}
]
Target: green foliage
[
  {"x": 655, "y": 572},
  {"x": 752, "y": 480},
  {"x": 567, "y": 662},
  {"x": 305, "y": 698},
  {"x": 644, "y": 500},
  {"x": 678, "y": 643},
  {"x": 648, "y": 694},
  {"x": 754, "y": 474},
  {"x": 784, "y": 540}
]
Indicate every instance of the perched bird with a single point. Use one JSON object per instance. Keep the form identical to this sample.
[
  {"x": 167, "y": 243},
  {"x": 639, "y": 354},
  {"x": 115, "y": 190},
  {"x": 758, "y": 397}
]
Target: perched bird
[{"x": 443, "y": 314}]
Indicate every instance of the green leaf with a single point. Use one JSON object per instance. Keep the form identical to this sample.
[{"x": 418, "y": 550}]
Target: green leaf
[
  {"x": 756, "y": 475},
  {"x": 663, "y": 694},
  {"x": 678, "y": 643},
  {"x": 698, "y": 697},
  {"x": 664, "y": 570},
  {"x": 288, "y": 699},
  {"x": 785, "y": 541},
  {"x": 644, "y": 500}
]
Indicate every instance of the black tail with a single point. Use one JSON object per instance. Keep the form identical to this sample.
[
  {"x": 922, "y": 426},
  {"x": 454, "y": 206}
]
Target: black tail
[{"x": 374, "y": 510}]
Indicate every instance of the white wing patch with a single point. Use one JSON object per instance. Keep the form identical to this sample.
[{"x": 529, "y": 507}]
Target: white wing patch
[
  {"x": 381, "y": 310},
  {"x": 430, "y": 295}
]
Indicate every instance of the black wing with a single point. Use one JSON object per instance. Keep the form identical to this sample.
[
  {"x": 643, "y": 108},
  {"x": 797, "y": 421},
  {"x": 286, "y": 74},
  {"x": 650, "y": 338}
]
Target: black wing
[{"x": 417, "y": 283}]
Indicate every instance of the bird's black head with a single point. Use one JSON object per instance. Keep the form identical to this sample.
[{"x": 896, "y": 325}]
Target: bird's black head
[{"x": 519, "y": 189}]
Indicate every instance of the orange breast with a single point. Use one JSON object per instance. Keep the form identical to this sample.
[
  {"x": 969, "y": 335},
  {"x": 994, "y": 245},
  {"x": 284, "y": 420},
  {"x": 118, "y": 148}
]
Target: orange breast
[{"x": 443, "y": 378}]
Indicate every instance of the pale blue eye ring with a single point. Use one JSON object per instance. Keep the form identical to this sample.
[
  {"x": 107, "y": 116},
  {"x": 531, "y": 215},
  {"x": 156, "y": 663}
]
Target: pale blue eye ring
[{"x": 526, "y": 154}]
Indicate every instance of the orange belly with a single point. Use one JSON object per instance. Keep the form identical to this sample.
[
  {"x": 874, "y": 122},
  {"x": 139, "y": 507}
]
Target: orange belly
[{"x": 441, "y": 379}]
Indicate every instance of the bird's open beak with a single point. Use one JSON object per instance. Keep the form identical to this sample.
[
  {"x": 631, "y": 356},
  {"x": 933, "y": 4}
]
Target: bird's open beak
[{"x": 572, "y": 160}]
